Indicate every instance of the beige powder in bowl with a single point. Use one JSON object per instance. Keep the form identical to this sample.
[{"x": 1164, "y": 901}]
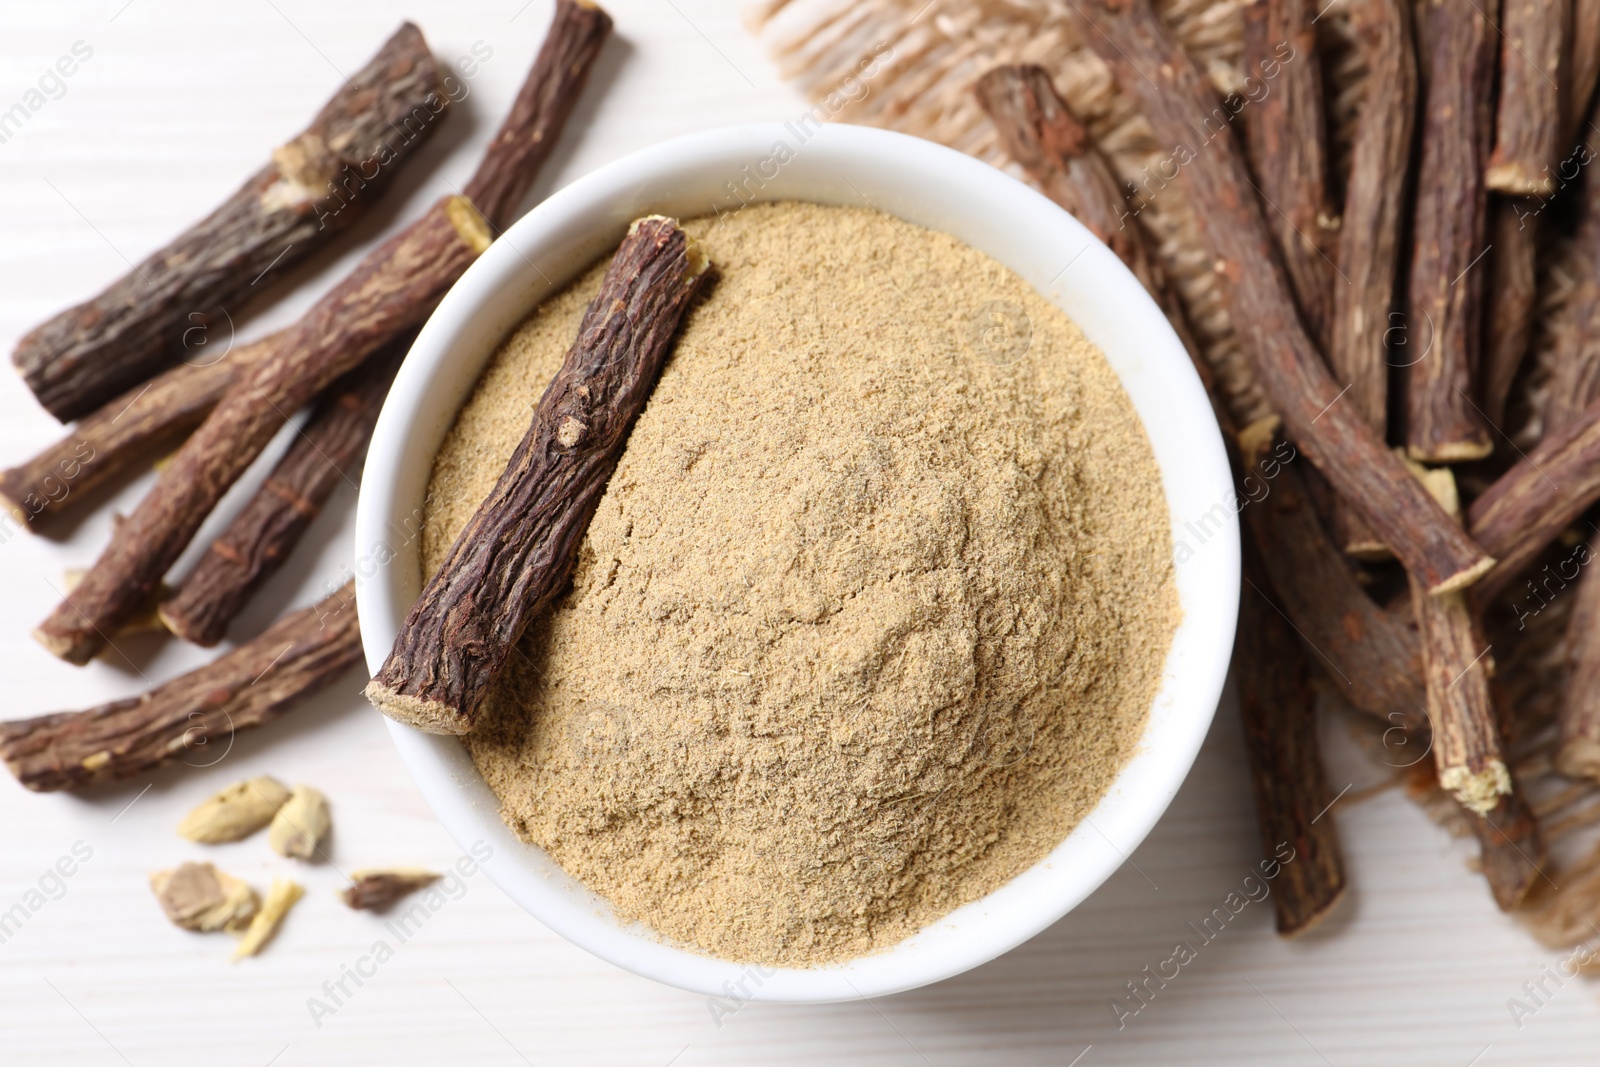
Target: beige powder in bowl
[{"x": 872, "y": 611}]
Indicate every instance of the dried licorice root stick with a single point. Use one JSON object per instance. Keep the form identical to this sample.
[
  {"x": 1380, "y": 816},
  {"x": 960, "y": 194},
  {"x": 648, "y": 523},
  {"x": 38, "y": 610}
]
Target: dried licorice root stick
[
  {"x": 315, "y": 186},
  {"x": 1575, "y": 364},
  {"x": 1176, "y": 103},
  {"x": 1529, "y": 505},
  {"x": 1583, "y": 67},
  {"x": 1512, "y": 298},
  {"x": 549, "y": 93},
  {"x": 1456, "y": 666},
  {"x": 262, "y": 535},
  {"x": 1513, "y": 278},
  {"x": 1532, "y": 54},
  {"x": 1370, "y": 656},
  {"x": 1277, "y": 706},
  {"x": 1579, "y": 753},
  {"x": 1445, "y": 317},
  {"x": 518, "y": 548},
  {"x": 1039, "y": 131},
  {"x": 128, "y": 429},
  {"x": 249, "y": 686},
  {"x": 390, "y": 291},
  {"x": 1575, "y": 384},
  {"x": 1369, "y": 237},
  {"x": 1512, "y": 849},
  {"x": 1285, "y": 139}
]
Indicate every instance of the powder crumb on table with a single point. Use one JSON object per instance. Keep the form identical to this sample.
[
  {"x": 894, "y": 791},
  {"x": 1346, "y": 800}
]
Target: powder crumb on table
[{"x": 872, "y": 611}]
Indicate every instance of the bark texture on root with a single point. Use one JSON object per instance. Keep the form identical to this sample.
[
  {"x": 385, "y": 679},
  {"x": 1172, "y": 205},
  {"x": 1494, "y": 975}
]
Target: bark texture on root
[
  {"x": 1177, "y": 99},
  {"x": 196, "y": 712},
  {"x": 1040, "y": 132},
  {"x": 316, "y": 185},
  {"x": 1512, "y": 849},
  {"x": 1277, "y": 707},
  {"x": 326, "y": 452},
  {"x": 1529, "y": 505},
  {"x": 1456, "y": 665},
  {"x": 519, "y": 546},
  {"x": 1512, "y": 303},
  {"x": 1285, "y": 137},
  {"x": 132, "y": 428},
  {"x": 1370, "y": 656},
  {"x": 1369, "y": 235},
  {"x": 393, "y": 289},
  {"x": 1533, "y": 61},
  {"x": 1579, "y": 753},
  {"x": 1445, "y": 290}
]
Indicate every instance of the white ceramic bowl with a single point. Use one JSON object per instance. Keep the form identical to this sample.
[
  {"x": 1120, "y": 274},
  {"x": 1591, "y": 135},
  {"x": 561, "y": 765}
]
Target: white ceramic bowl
[{"x": 926, "y": 184}]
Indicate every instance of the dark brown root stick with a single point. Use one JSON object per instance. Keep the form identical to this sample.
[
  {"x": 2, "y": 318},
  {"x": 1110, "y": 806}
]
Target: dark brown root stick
[
  {"x": 131, "y": 428},
  {"x": 1579, "y": 752},
  {"x": 1512, "y": 849},
  {"x": 326, "y": 452},
  {"x": 1529, "y": 505},
  {"x": 1575, "y": 369},
  {"x": 1176, "y": 99},
  {"x": 316, "y": 185},
  {"x": 1456, "y": 667},
  {"x": 391, "y": 290},
  {"x": 518, "y": 548},
  {"x": 1285, "y": 140},
  {"x": 1533, "y": 55},
  {"x": 1040, "y": 132},
  {"x": 1583, "y": 67},
  {"x": 1574, "y": 385},
  {"x": 247, "y": 687},
  {"x": 1575, "y": 363},
  {"x": 1369, "y": 236},
  {"x": 540, "y": 111},
  {"x": 1369, "y": 655},
  {"x": 1277, "y": 707},
  {"x": 1445, "y": 316},
  {"x": 1510, "y": 305}
]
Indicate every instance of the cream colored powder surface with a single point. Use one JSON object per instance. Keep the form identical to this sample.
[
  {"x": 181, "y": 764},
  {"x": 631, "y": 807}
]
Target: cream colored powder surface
[{"x": 872, "y": 611}]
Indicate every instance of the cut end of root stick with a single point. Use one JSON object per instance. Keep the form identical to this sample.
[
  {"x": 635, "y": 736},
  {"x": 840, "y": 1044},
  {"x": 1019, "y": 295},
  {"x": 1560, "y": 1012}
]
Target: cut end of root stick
[
  {"x": 699, "y": 262},
  {"x": 63, "y": 647},
  {"x": 179, "y": 626},
  {"x": 1478, "y": 791},
  {"x": 429, "y": 716},
  {"x": 1579, "y": 758},
  {"x": 1462, "y": 579},
  {"x": 469, "y": 223},
  {"x": 1514, "y": 179},
  {"x": 1465, "y": 451},
  {"x": 1369, "y": 549}
]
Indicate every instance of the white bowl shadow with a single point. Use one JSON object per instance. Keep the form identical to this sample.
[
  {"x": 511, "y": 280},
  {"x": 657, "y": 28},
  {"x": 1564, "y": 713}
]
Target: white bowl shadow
[{"x": 931, "y": 186}]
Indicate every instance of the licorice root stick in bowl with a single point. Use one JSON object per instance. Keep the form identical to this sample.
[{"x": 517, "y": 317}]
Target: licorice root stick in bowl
[
  {"x": 819, "y": 524},
  {"x": 518, "y": 549}
]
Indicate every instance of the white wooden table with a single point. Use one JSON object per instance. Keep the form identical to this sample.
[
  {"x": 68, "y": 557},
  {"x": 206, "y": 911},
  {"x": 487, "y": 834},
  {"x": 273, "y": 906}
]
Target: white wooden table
[{"x": 177, "y": 103}]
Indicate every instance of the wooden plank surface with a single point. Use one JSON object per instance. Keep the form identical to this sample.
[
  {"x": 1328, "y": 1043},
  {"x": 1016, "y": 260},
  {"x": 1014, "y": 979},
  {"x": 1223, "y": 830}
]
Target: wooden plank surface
[{"x": 180, "y": 100}]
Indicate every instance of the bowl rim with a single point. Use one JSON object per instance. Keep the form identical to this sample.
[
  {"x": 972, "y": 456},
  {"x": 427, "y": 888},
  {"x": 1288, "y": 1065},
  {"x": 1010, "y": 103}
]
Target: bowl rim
[{"x": 979, "y": 204}]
